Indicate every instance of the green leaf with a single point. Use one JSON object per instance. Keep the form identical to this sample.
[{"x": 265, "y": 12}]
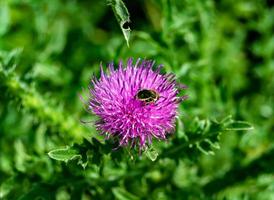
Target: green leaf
[
  {"x": 151, "y": 153},
  {"x": 9, "y": 59},
  {"x": 79, "y": 152},
  {"x": 58, "y": 38},
  {"x": 7, "y": 186},
  {"x": 64, "y": 154},
  {"x": 122, "y": 16},
  {"x": 4, "y": 17},
  {"x": 39, "y": 191},
  {"x": 230, "y": 124},
  {"x": 122, "y": 194},
  {"x": 21, "y": 156},
  {"x": 239, "y": 126}
]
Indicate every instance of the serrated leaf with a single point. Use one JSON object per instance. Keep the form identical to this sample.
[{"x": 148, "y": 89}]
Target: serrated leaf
[
  {"x": 122, "y": 16},
  {"x": 64, "y": 154},
  {"x": 122, "y": 194},
  {"x": 204, "y": 134}
]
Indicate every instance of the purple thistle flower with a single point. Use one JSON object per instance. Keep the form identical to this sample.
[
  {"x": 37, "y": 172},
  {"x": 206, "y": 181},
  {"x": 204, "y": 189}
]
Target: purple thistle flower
[{"x": 135, "y": 103}]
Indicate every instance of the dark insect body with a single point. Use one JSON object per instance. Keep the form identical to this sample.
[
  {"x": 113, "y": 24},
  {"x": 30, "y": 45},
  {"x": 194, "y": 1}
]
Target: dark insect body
[{"x": 147, "y": 96}]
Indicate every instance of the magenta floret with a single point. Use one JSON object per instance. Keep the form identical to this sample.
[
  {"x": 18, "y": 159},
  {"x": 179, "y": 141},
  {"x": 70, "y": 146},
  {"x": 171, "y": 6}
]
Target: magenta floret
[{"x": 135, "y": 103}]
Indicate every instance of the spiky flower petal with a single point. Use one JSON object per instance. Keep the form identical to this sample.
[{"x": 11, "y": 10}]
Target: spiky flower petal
[{"x": 135, "y": 103}]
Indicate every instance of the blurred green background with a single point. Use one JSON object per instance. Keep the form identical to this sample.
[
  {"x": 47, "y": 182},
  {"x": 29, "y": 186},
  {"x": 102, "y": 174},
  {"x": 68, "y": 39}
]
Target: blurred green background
[{"x": 223, "y": 50}]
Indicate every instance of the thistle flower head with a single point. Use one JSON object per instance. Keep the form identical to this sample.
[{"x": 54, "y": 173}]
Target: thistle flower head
[{"x": 135, "y": 103}]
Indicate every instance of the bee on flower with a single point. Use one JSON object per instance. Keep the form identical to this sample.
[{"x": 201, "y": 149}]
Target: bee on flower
[{"x": 135, "y": 103}]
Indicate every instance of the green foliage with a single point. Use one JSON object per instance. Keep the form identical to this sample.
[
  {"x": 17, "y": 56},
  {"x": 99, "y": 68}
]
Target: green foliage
[
  {"x": 27, "y": 97},
  {"x": 204, "y": 135},
  {"x": 222, "y": 50}
]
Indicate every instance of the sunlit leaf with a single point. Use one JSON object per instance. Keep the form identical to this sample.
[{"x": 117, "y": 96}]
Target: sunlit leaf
[
  {"x": 151, "y": 153},
  {"x": 7, "y": 186},
  {"x": 4, "y": 17},
  {"x": 64, "y": 154}
]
